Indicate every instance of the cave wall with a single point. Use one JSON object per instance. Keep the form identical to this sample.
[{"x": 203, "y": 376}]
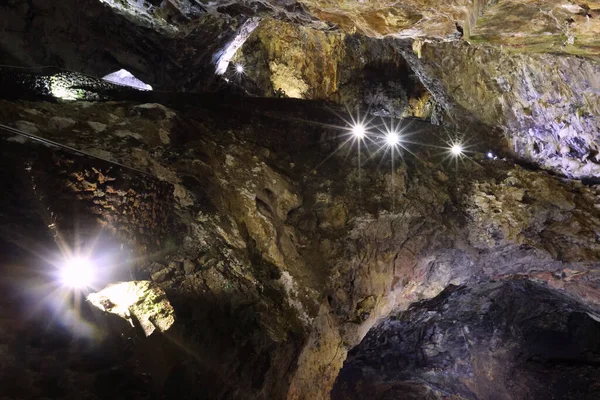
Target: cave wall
[
  {"x": 510, "y": 340},
  {"x": 286, "y": 266},
  {"x": 90, "y": 37},
  {"x": 549, "y": 27},
  {"x": 278, "y": 256},
  {"x": 286, "y": 60},
  {"x": 547, "y": 105}
]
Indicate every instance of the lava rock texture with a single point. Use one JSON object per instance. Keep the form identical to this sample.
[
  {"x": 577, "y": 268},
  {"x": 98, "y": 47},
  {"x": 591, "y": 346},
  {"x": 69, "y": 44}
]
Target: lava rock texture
[
  {"x": 274, "y": 267},
  {"x": 279, "y": 248},
  {"x": 504, "y": 340}
]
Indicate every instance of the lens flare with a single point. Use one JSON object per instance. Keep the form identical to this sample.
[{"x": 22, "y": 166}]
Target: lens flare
[
  {"x": 239, "y": 68},
  {"x": 359, "y": 131},
  {"x": 456, "y": 149},
  {"x": 77, "y": 273},
  {"x": 392, "y": 139}
]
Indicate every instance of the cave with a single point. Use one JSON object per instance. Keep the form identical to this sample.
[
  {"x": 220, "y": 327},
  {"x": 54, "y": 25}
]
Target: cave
[{"x": 299, "y": 200}]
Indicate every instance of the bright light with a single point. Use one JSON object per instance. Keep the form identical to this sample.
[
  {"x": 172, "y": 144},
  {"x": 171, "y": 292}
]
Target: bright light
[
  {"x": 61, "y": 88},
  {"x": 392, "y": 139},
  {"x": 456, "y": 149},
  {"x": 77, "y": 273},
  {"x": 239, "y": 68},
  {"x": 143, "y": 301},
  {"x": 225, "y": 55},
  {"x": 64, "y": 94},
  {"x": 358, "y": 131},
  {"x": 126, "y": 78}
]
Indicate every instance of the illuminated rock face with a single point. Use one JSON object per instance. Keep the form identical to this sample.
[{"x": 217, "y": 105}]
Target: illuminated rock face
[
  {"x": 286, "y": 60},
  {"x": 279, "y": 258},
  {"x": 125, "y": 78},
  {"x": 501, "y": 72},
  {"x": 139, "y": 302},
  {"x": 547, "y": 105},
  {"x": 521, "y": 24},
  {"x": 552, "y": 26}
]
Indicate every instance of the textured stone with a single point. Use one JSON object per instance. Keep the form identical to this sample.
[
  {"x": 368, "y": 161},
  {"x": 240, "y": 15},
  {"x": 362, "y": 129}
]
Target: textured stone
[
  {"x": 189, "y": 266},
  {"x": 552, "y": 26},
  {"x": 500, "y": 340},
  {"x": 27, "y": 127},
  {"x": 293, "y": 61},
  {"x": 279, "y": 253},
  {"x": 60, "y": 123},
  {"x": 97, "y": 127},
  {"x": 543, "y": 103},
  {"x": 141, "y": 300},
  {"x": 298, "y": 264},
  {"x": 162, "y": 275}
]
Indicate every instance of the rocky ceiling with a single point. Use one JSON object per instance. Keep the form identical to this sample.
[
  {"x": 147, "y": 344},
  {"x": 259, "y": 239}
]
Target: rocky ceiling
[{"x": 265, "y": 255}]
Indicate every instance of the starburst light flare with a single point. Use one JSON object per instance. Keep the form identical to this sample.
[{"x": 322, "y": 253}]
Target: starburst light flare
[{"x": 456, "y": 149}]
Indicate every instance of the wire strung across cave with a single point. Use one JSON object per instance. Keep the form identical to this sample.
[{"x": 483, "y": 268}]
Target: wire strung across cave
[
  {"x": 61, "y": 87},
  {"x": 49, "y": 142}
]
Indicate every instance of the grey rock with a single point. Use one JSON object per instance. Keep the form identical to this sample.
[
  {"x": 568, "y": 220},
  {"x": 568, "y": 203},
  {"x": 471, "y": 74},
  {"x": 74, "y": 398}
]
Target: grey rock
[
  {"x": 60, "y": 123},
  {"x": 189, "y": 267}
]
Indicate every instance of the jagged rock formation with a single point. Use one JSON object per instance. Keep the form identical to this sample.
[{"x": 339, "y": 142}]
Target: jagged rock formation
[
  {"x": 498, "y": 340},
  {"x": 272, "y": 245},
  {"x": 279, "y": 253},
  {"x": 347, "y": 69},
  {"x": 140, "y": 300},
  {"x": 547, "y": 120},
  {"x": 546, "y": 105}
]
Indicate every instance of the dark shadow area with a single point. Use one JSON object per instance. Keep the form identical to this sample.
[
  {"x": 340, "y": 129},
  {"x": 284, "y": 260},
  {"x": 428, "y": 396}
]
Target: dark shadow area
[{"x": 515, "y": 339}]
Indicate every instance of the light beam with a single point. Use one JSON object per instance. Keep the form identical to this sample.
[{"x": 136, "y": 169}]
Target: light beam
[{"x": 224, "y": 56}]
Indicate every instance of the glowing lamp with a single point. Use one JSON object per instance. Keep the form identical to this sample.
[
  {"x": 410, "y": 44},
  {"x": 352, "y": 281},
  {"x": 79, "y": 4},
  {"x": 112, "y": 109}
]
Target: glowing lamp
[
  {"x": 456, "y": 149},
  {"x": 77, "y": 273},
  {"x": 239, "y": 68},
  {"x": 392, "y": 139},
  {"x": 358, "y": 131}
]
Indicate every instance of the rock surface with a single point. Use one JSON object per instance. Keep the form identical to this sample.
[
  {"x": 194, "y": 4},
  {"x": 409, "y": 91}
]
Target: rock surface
[
  {"x": 141, "y": 300},
  {"x": 281, "y": 244},
  {"x": 547, "y": 105},
  {"x": 509, "y": 340},
  {"x": 293, "y": 268},
  {"x": 516, "y": 67}
]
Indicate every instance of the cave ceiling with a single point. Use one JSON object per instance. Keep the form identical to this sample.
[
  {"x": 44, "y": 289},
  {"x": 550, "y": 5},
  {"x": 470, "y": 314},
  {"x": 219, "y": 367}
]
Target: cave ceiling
[{"x": 264, "y": 236}]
